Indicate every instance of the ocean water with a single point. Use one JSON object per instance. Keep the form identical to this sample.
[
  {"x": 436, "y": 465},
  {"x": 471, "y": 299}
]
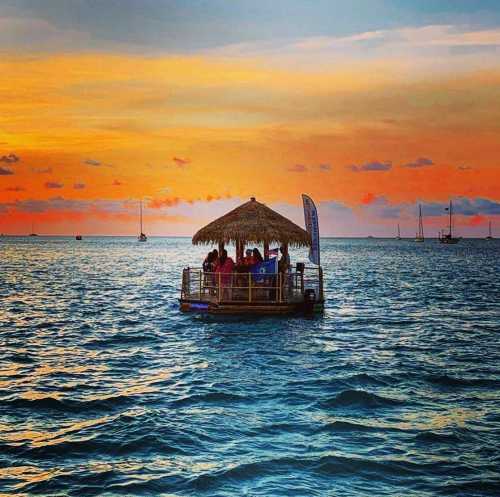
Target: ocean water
[{"x": 107, "y": 389}]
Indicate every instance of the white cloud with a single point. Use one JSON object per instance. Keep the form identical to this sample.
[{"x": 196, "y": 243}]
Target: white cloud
[{"x": 418, "y": 47}]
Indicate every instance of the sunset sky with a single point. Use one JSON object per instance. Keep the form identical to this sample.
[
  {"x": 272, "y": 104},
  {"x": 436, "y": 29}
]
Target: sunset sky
[{"x": 369, "y": 107}]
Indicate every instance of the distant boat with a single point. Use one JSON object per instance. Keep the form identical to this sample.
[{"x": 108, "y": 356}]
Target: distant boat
[
  {"x": 448, "y": 237},
  {"x": 78, "y": 237},
  {"x": 399, "y": 234},
  {"x": 489, "y": 237},
  {"x": 369, "y": 236},
  {"x": 419, "y": 237},
  {"x": 33, "y": 230},
  {"x": 142, "y": 237}
]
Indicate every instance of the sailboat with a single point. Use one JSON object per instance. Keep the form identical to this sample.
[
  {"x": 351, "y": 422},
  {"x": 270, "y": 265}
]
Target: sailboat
[
  {"x": 399, "y": 234},
  {"x": 419, "y": 237},
  {"x": 33, "y": 229},
  {"x": 448, "y": 237},
  {"x": 142, "y": 237},
  {"x": 489, "y": 237}
]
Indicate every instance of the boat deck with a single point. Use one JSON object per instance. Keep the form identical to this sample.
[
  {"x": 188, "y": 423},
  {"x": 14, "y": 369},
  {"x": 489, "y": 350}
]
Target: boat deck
[{"x": 250, "y": 293}]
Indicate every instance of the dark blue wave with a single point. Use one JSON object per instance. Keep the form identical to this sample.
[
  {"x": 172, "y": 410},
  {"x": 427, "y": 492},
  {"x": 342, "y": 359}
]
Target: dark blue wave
[
  {"x": 210, "y": 398},
  {"x": 360, "y": 398},
  {"x": 431, "y": 437},
  {"x": 67, "y": 405},
  {"x": 450, "y": 381},
  {"x": 348, "y": 426}
]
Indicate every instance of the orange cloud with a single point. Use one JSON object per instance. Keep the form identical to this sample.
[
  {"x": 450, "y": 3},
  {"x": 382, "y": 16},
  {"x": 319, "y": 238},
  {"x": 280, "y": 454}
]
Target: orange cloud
[
  {"x": 158, "y": 203},
  {"x": 181, "y": 162},
  {"x": 368, "y": 198},
  {"x": 475, "y": 220}
]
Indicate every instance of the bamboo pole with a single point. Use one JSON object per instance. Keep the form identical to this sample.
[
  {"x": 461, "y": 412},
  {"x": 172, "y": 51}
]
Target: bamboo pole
[
  {"x": 240, "y": 246},
  {"x": 266, "y": 251}
]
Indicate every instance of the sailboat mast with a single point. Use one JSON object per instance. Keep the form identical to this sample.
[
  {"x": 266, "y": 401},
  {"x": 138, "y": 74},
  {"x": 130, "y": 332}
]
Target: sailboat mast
[
  {"x": 420, "y": 224},
  {"x": 141, "y": 214},
  {"x": 399, "y": 233},
  {"x": 489, "y": 230},
  {"x": 450, "y": 216}
]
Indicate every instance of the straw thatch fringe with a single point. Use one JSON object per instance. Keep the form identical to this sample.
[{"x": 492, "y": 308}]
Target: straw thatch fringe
[{"x": 253, "y": 222}]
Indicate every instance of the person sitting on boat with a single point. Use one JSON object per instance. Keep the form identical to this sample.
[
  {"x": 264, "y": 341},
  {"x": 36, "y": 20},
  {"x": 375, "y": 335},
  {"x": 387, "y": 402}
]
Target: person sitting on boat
[
  {"x": 207, "y": 262},
  {"x": 260, "y": 281},
  {"x": 249, "y": 259},
  {"x": 210, "y": 261},
  {"x": 257, "y": 256},
  {"x": 224, "y": 264},
  {"x": 242, "y": 268},
  {"x": 209, "y": 265},
  {"x": 223, "y": 270}
]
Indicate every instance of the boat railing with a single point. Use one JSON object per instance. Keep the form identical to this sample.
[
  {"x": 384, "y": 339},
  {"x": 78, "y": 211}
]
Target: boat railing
[{"x": 282, "y": 287}]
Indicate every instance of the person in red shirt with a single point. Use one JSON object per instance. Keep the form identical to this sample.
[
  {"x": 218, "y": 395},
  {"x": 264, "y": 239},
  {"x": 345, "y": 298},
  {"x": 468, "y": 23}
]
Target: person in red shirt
[
  {"x": 225, "y": 266},
  {"x": 249, "y": 259}
]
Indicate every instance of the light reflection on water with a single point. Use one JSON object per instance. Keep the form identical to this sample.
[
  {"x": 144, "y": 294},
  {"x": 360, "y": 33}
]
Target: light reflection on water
[{"x": 106, "y": 387}]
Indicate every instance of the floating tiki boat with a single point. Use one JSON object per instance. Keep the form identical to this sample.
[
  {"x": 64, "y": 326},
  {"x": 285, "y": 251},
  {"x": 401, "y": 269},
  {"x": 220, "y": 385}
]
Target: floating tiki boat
[
  {"x": 260, "y": 288},
  {"x": 419, "y": 237},
  {"x": 448, "y": 237}
]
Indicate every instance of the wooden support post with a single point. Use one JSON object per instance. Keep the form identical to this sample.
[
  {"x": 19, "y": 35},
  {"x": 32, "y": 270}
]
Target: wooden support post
[
  {"x": 200, "y": 275},
  {"x": 249, "y": 287},
  {"x": 240, "y": 245},
  {"x": 266, "y": 251},
  {"x": 221, "y": 247},
  {"x": 219, "y": 288},
  {"x": 279, "y": 287}
]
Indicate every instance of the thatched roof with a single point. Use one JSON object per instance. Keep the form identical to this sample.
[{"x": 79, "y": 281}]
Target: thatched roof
[{"x": 253, "y": 222}]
